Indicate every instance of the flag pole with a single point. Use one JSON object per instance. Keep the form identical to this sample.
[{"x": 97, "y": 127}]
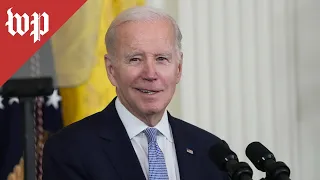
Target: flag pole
[{"x": 27, "y": 90}]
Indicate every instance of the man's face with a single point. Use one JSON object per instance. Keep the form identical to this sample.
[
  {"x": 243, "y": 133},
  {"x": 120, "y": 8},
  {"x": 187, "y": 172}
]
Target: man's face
[{"x": 146, "y": 66}]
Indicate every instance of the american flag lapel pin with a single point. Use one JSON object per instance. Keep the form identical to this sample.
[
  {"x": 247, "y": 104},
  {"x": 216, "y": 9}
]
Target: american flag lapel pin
[{"x": 189, "y": 151}]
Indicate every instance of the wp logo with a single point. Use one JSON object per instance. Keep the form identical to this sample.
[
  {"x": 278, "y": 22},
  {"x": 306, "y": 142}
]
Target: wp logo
[{"x": 21, "y": 24}]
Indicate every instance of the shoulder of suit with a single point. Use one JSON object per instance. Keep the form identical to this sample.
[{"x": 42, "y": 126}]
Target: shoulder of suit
[
  {"x": 196, "y": 131},
  {"x": 76, "y": 131}
]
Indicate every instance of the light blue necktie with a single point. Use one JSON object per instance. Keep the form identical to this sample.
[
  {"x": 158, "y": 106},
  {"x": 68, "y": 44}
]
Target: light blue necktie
[{"x": 157, "y": 164}]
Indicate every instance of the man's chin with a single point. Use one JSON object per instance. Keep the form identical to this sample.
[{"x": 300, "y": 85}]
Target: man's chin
[{"x": 152, "y": 110}]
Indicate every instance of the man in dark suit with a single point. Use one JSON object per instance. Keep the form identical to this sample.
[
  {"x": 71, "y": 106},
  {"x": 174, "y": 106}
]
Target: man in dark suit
[{"x": 134, "y": 137}]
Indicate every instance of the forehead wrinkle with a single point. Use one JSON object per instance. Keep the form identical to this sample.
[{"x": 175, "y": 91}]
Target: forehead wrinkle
[{"x": 137, "y": 47}]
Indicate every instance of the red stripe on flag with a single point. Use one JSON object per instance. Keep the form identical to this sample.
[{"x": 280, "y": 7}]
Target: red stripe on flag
[{"x": 17, "y": 49}]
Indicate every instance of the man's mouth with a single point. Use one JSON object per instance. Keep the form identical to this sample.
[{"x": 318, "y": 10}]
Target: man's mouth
[{"x": 146, "y": 91}]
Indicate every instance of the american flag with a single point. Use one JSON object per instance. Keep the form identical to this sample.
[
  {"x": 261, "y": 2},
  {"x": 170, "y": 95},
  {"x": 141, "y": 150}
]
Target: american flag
[{"x": 11, "y": 128}]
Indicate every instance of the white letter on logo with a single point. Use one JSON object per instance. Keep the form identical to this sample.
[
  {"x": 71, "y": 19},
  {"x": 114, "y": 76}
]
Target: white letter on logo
[
  {"x": 37, "y": 31},
  {"x": 9, "y": 23}
]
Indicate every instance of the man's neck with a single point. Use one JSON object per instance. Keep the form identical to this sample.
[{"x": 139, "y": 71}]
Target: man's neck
[{"x": 151, "y": 119}]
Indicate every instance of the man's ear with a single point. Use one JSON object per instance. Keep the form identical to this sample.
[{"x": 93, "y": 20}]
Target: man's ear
[
  {"x": 179, "y": 72},
  {"x": 110, "y": 65}
]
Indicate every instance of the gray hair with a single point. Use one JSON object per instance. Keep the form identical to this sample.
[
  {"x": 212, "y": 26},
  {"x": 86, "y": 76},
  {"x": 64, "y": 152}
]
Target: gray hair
[{"x": 139, "y": 13}]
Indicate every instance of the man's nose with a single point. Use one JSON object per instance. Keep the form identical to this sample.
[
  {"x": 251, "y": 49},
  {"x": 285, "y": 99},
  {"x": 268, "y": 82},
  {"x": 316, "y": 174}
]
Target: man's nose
[{"x": 150, "y": 71}]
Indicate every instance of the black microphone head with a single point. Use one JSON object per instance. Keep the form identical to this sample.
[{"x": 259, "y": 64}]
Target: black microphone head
[
  {"x": 220, "y": 154},
  {"x": 258, "y": 154}
]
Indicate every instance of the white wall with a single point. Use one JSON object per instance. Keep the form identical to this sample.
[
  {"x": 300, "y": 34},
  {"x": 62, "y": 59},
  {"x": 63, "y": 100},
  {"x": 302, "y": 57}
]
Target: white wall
[
  {"x": 252, "y": 72},
  {"x": 308, "y": 77}
]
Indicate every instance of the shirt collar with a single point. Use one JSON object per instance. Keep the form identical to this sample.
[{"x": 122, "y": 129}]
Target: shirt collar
[{"x": 134, "y": 126}]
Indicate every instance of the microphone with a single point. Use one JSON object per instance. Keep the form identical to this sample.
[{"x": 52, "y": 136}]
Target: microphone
[
  {"x": 265, "y": 161},
  {"x": 227, "y": 161}
]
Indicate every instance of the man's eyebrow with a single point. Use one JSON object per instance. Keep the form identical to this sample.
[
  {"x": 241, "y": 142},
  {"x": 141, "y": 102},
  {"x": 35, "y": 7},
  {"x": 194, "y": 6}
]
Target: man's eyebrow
[
  {"x": 132, "y": 54},
  {"x": 167, "y": 54},
  {"x": 138, "y": 53}
]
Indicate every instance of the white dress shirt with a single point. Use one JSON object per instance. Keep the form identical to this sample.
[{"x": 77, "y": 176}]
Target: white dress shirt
[{"x": 135, "y": 127}]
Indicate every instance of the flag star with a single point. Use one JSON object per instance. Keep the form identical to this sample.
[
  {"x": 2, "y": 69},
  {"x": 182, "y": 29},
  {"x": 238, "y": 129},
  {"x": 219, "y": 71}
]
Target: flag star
[
  {"x": 13, "y": 99},
  {"x": 1, "y": 104},
  {"x": 54, "y": 99}
]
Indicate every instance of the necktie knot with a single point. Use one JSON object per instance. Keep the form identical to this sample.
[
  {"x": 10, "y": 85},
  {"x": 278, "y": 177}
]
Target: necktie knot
[{"x": 151, "y": 134}]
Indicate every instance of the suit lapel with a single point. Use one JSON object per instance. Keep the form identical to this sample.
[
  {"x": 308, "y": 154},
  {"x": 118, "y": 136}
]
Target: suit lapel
[
  {"x": 185, "y": 150},
  {"x": 116, "y": 144}
]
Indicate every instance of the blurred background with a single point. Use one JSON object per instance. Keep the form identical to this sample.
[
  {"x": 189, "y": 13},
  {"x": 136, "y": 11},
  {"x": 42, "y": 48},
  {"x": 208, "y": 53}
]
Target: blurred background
[{"x": 251, "y": 72}]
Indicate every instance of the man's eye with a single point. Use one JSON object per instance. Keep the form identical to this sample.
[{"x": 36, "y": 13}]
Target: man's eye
[
  {"x": 134, "y": 59},
  {"x": 161, "y": 59}
]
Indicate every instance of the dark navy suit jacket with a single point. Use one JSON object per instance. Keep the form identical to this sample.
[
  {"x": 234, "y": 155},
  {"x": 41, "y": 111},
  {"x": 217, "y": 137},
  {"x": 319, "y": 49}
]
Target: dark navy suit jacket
[{"x": 98, "y": 148}]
